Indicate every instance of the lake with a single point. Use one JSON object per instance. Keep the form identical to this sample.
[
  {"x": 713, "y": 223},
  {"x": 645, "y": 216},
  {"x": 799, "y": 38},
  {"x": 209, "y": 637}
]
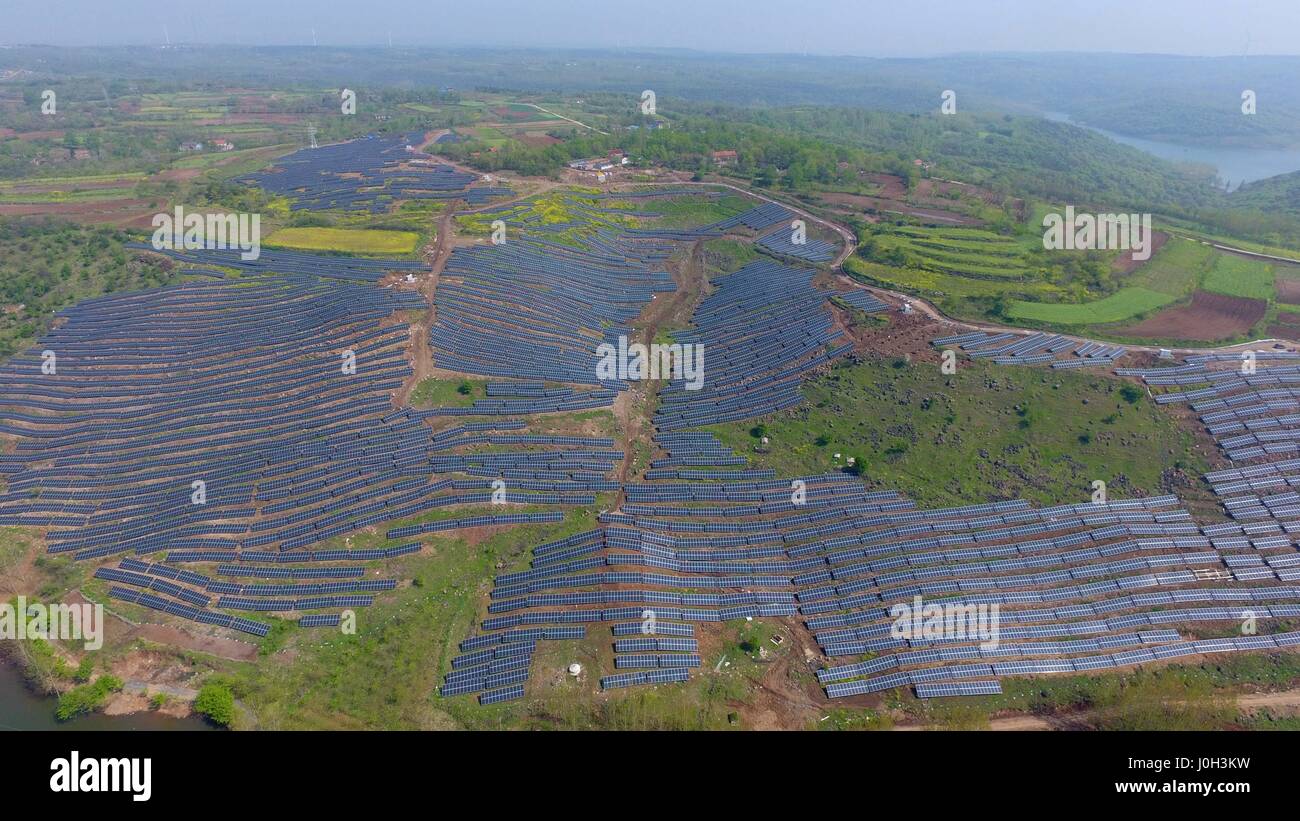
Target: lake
[
  {"x": 1235, "y": 165},
  {"x": 20, "y": 709}
]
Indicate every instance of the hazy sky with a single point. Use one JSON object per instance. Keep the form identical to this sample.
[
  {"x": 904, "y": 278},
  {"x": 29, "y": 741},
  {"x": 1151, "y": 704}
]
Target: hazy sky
[{"x": 886, "y": 28}]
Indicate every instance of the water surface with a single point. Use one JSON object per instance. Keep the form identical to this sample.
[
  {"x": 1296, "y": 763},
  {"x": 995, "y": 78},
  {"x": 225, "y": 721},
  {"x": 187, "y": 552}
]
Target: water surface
[
  {"x": 1235, "y": 165},
  {"x": 20, "y": 709}
]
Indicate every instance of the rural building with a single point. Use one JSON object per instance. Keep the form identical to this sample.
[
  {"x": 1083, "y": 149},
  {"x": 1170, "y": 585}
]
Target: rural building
[
  {"x": 592, "y": 164},
  {"x": 727, "y": 157}
]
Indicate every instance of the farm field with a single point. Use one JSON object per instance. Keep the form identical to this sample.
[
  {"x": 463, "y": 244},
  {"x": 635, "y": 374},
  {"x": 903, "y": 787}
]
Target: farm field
[
  {"x": 947, "y": 289},
  {"x": 346, "y": 240},
  {"x": 930, "y": 202},
  {"x": 965, "y": 252},
  {"x": 1208, "y": 317},
  {"x": 1121, "y": 305},
  {"x": 974, "y": 273},
  {"x": 1181, "y": 294}
]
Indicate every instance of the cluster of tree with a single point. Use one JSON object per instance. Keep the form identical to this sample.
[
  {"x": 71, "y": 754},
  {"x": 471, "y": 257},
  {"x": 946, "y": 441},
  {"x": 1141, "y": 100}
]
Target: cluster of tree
[
  {"x": 1268, "y": 202},
  {"x": 49, "y": 265},
  {"x": 767, "y": 156}
]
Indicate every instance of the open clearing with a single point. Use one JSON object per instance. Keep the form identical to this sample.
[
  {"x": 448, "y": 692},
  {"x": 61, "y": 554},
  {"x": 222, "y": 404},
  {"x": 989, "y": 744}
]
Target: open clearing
[{"x": 349, "y": 240}]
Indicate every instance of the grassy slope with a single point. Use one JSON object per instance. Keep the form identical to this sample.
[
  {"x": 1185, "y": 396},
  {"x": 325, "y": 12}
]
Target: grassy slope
[
  {"x": 985, "y": 433},
  {"x": 1121, "y": 305}
]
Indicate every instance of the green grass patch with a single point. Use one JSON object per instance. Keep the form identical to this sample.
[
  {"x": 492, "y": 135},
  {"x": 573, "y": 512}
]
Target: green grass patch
[
  {"x": 983, "y": 434},
  {"x": 345, "y": 240},
  {"x": 1125, "y": 303},
  {"x": 686, "y": 212},
  {"x": 1239, "y": 276},
  {"x": 443, "y": 393}
]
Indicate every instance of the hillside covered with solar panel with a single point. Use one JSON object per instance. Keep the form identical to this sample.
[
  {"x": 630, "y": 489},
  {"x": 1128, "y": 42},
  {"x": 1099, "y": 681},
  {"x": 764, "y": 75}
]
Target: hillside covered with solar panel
[{"x": 378, "y": 475}]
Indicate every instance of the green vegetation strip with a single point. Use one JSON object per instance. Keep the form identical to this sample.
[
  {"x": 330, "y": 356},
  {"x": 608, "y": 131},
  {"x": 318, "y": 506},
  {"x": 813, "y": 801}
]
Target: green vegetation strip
[{"x": 1123, "y": 304}]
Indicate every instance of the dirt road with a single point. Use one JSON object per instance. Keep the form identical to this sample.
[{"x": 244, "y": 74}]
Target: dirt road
[{"x": 1285, "y": 702}]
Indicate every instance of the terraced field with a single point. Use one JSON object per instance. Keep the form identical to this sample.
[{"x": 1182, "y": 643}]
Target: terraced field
[
  {"x": 970, "y": 252},
  {"x": 949, "y": 290},
  {"x": 977, "y": 274}
]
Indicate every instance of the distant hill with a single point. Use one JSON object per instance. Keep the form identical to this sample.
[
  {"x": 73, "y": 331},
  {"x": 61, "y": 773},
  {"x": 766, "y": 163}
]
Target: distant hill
[
  {"x": 1193, "y": 100},
  {"x": 1277, "y": 195}
]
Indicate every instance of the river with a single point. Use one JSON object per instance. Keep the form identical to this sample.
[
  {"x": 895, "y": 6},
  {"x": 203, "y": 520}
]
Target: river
[
  {"x": 20, "y": 709},
  {"x": 1235, "y": 165}
]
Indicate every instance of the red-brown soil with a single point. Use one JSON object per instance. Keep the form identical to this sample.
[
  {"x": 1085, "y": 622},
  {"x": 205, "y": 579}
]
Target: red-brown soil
[
  {"x": 537, "y": 140},
  {"x": 936, "y": 216},
  {"x": 1209, "y": 317},
  {"x": 39, "y": 135},
  {"x": 1125, "y": 264},
  {"x": 1288, "y": 290},
  {"x": 133, "y": 213}
]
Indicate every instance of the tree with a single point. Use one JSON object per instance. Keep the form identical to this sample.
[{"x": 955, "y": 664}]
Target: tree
[{"x": 216, "y": 702}]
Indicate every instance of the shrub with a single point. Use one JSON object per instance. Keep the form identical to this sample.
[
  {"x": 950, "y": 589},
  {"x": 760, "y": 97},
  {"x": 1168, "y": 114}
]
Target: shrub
[
  {"x": 216, "y": 702},
  {"x": 86, "y": 697}
]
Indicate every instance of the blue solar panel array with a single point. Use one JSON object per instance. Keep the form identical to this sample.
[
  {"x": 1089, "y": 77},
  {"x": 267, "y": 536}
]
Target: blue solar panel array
[
  {"x": 368, "y": 174},
  {"x": 1061, "y": 352},
  {"x": 763, "y": 329},
  {"x": 293, "y": 263},
  {"x": 1081, "y": 587},
  {"x": 537, "y": 310},
  {"x": 238, "y": 383},
  {"x": 861, "y": 300},
  {"x": 781, "y": 241}
]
